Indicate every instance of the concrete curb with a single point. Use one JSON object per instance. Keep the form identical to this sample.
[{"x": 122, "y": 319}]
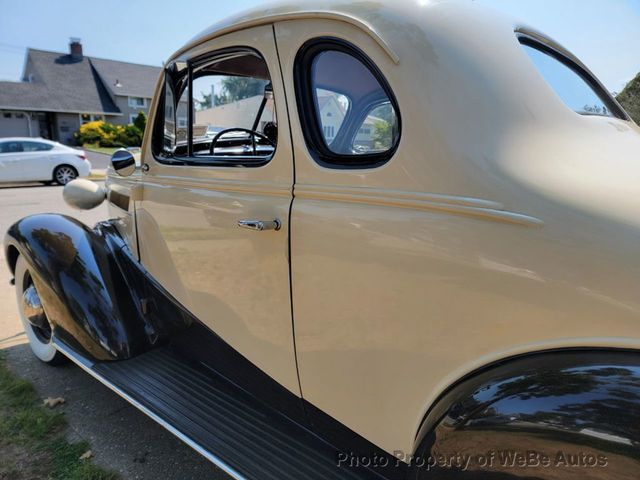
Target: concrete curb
[{"x": 98, "y": 174}]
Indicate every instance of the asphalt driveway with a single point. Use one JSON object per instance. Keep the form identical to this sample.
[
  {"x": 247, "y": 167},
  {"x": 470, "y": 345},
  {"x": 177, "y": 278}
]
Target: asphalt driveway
[
  {"x": 99, "y": 161},
  {"x": 122, "y": 438}
]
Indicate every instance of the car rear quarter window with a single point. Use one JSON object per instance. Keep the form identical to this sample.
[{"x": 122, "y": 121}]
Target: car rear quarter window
[
  {"x": 36, "y": 146},
  {"x": 572, "y": 84},
  {"x": 348, "y": 112}
]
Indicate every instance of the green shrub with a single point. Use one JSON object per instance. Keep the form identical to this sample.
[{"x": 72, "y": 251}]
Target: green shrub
[
  {"x": 110, "y": 134},
  {"x": 89, "y": 133},
  {"x": 129, "y": 136},
  {"x": 105, "y": 134},
  {"x": 140, "y": 121}
]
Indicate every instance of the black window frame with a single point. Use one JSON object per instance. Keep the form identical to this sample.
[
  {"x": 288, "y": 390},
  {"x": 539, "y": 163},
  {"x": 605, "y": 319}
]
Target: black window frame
[
  {"x": 307, "y": 109},
  {"x": 159, "y": 118},
  {"x": 600, "y": 91}
]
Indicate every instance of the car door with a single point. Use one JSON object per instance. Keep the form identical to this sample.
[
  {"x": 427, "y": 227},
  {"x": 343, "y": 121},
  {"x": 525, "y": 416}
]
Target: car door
[
  {"x": 196, "y": 198},
  {"x": 356, "y": 270},
  {"x": 37, "y": 162},
  {"x": 11, "y": 156}
]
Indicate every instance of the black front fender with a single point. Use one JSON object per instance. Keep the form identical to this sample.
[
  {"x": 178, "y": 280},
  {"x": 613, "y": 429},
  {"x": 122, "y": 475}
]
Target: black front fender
[
  {"x": 97, "y": 297},
  {"x": 545, "y": 416}
]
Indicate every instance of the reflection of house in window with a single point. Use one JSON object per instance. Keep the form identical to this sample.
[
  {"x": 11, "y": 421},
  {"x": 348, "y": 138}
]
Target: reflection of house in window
[
  {"x": 332, "y": 115},
  {"x": 365, "y": 136},
  {"x": 329, "y": 132}
]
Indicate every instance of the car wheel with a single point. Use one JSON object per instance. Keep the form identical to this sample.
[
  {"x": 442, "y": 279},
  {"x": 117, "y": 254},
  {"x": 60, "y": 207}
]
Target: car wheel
[
  {"x": 64, "y": 174},
  {"x": 34, "y": 320}
]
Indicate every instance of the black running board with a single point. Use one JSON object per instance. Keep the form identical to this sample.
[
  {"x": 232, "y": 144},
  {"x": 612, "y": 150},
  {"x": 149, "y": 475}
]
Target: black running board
[{"x": 233, "y": 430}]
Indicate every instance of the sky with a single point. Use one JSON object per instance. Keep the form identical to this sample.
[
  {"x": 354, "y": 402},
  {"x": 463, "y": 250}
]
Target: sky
[{"x": 604, "y": 34}]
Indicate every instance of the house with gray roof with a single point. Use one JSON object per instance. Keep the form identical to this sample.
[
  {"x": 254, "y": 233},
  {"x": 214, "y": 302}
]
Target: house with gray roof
[{"x": 61, "y": 91}]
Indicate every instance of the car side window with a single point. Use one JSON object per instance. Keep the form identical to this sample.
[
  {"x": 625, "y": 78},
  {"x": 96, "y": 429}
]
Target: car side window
[
  {"x": 36, "y": 146},
  {"x": 233, "y": 117},
  {"x": 349, "y": 114},
  {"x": 575, "y": 88},
  {"x": 11, "y": 147}
]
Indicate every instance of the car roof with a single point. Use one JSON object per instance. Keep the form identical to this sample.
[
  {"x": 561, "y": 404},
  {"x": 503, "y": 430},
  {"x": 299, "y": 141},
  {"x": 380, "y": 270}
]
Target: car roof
[{"x": 380, "y": 20}]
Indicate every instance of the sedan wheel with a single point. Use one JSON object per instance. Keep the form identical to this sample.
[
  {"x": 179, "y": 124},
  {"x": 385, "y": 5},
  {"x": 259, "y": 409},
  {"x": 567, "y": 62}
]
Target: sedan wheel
[
  {"x": 34, "y": 320},
  {"x": 64, "y": 174}
]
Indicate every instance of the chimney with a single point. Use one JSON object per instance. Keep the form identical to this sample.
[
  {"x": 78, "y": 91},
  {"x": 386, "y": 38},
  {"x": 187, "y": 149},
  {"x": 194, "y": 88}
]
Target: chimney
[{"x": 75, "y": 48}]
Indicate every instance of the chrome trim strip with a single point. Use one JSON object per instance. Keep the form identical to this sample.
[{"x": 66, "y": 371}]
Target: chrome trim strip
[
  {"x": 449, "y": 204},
  {"x": 326, "y": 191},
  {"x": 87, "y": 365}
]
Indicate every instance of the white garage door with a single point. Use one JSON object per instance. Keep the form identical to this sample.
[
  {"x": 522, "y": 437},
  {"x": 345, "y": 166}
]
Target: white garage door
[{"x": 13, "y": 125}]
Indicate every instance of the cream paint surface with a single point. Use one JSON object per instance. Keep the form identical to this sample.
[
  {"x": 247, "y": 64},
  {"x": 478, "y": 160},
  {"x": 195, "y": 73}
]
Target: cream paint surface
[
  {"x": 393, "y": 303},
  {"x": 234, "y": 280}
]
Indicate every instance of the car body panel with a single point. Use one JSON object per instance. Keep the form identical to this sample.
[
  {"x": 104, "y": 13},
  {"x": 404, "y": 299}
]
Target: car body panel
[
  {"x": 503, "y": 224},
  {"x": 122, "y": 195},
  {"x": 235, "y": 281},
  {"x": 539, "y": 416},
  {"x": 97, "y": 298}
]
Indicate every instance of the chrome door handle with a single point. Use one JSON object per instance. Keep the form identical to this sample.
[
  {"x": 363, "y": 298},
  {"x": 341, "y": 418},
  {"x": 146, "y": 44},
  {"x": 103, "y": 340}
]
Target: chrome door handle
[{"x": 260, "y": 225}]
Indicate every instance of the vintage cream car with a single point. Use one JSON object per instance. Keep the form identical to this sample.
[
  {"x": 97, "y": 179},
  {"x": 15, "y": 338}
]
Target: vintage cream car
[{"x": 365, "y": 240}]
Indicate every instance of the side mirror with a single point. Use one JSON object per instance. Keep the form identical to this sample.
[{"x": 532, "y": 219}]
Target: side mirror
[
  {"x": 123, "y": 162},
  {"x": 83, "y": 194}
]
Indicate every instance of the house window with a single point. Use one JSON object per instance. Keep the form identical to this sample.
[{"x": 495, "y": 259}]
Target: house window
[
  {"x": 137, "y": 102},
  {"x": 182, "y": 122},
  {"x": 87, "y": 117},
  {"x": 329, "y": 132}
]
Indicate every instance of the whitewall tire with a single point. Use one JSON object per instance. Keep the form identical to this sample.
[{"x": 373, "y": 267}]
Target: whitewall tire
[{"x": 39, "y": 337}]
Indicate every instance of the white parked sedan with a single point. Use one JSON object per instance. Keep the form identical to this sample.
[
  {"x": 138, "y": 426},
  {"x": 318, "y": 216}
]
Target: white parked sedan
[{"x": 40, "y": 160}]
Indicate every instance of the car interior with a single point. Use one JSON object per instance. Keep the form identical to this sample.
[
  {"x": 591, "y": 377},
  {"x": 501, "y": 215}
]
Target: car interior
[{"x": 233, "y": 108}]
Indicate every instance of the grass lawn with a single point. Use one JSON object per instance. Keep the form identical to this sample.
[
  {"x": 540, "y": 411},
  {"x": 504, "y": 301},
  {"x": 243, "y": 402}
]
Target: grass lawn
[{"x": 32, "y": 437}]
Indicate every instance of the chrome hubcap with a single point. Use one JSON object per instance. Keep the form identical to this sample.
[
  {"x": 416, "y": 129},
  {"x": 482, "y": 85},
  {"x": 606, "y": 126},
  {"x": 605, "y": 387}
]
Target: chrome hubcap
[
  {"x": 64, "y": 175},
  {"x": 32, "y": 308},
  {"x": 34, "y": 313}
]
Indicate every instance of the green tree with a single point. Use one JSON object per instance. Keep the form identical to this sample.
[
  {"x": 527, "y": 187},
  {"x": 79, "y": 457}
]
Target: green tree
[
  {"x": 238, "y": 88},
  {"x": 204, "y": 102},
  {"x": 629, "y": 98},
  {"x": 383, "y": 135},
  {"x": 140, "y": 121},
  {"x": 232, "y": 90}
]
